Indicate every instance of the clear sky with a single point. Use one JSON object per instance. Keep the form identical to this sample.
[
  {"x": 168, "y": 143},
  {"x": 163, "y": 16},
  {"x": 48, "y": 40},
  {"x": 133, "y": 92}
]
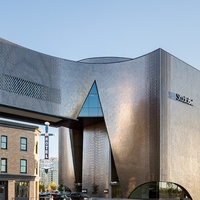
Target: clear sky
[{"x": 80, "y": 29}]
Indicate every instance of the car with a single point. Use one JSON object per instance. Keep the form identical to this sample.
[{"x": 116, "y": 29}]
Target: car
[
  {"x": 79, "y": 196},
  {"x": 44, "y": 195},
  {"x": 60, "y": 196}
]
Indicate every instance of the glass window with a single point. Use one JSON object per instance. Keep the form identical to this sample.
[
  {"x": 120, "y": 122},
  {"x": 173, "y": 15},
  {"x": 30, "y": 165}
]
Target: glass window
[
  {"x": 21, "y": 189},
  {"x": 100, "y": 113},
  {"x": 23, "y": 166},
  {"x": 93, "y": 111},
  {"x": 3, "y": 165},
  {"x": 159, "y": 190},
  {"x": 84, "y": 112},
  {"x": 4, "y": 142},
  {"x": 23, "y": 144},
  {"x": 94, "y": 89},
  {"x": 93, "y": 100},
  {"x": 92, "y": 105}
]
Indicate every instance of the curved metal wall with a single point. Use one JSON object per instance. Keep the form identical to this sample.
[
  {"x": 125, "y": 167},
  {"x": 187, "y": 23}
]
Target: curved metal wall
[
  {"x": 128, "y": 91},
  {"x": 143, "y": 123}
]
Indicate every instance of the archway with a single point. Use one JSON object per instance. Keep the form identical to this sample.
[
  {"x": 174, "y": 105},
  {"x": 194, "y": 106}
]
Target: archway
[{"x": 157, "y": 190}]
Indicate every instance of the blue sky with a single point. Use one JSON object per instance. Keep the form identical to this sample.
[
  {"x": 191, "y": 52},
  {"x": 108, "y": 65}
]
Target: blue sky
[{"x": 81, "y": 29}]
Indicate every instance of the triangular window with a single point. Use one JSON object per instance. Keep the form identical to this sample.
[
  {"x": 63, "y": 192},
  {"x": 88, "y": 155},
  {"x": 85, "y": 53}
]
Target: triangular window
[{"x": 92, "y": 105}]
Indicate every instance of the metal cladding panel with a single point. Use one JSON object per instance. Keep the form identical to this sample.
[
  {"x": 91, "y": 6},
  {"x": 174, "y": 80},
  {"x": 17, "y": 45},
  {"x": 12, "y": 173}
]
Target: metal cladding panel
[
  {"x": 164, "y": 113},
  {"x": 66, "y": 164},
  {"x": 183, "y": 139},
  {"x": 40, "y": 83},
  {"x": 130, "y": 103},
  {"x": 128, "y": 90},
  {"x": 96, "y": 159},
  {"x": 29, "y": 80}
]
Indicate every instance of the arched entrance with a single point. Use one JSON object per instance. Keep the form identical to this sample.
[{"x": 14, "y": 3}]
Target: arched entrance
[{"x": 160, "y": 190}]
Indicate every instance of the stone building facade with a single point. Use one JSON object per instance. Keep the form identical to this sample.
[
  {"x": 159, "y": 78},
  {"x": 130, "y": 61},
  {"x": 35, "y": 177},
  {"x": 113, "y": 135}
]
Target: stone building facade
[{"x": 19, "y": 176}]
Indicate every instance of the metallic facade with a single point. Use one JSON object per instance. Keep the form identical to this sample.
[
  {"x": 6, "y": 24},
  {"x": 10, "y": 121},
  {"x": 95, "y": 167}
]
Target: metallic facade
[{"x": 148, "y": 135}]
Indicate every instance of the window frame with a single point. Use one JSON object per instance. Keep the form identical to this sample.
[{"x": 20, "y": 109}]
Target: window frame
[
  {"x": 6, "y": 165},
  {"x": 22, "y": 189},
  {"x": 22, "y": 145},
  {"x": 2, "y": 142},
  {"x": 23, "y": 168}
]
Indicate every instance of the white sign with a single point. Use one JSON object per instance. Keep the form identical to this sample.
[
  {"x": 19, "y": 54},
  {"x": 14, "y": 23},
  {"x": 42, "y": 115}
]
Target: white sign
[{"x": 46, "y": 164}]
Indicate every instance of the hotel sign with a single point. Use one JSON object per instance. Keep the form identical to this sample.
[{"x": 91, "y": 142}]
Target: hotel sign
[
  {"x": 46, "y": 164},
  {"x": 46, "y": 140},
  {"x": 184, "y": 99}
]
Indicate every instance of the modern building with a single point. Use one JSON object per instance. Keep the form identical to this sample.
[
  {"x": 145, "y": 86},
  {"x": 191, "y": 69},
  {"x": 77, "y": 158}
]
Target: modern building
[
  {"x": 131, "y": 121},
  {"x": 19, "y": 178},
  {"x": 51, "y": 175}
]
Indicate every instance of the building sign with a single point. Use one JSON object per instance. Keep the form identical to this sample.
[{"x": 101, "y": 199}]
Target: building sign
[
  {"x": 184, "y": 99},
  {"x": 46, "y": 140},
  {"x": 46, "y": 164},
  {"x": 46, "y": 147},
  {"x": 181, "y": 98}
]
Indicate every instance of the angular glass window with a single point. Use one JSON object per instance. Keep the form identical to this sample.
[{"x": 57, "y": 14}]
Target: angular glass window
[
  {"x": 23, "y": 166},
  {"x": 3, "y": 142},
  {"x": 3, "y": 165},
  {"x": 92, "y": 105},
  {"x": 23, "y": 144}
]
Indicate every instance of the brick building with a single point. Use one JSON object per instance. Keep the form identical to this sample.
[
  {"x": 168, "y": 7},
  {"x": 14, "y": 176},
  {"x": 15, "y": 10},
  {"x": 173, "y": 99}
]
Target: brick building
[{"x": 19, "y": 161}]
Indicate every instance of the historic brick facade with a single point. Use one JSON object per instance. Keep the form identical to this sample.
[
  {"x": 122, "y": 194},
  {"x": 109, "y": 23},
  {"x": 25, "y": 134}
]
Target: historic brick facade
[{"x": 19, "y": 160}]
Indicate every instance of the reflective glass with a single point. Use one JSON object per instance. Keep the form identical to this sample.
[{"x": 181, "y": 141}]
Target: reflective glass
[
  {"x": 92, "y": 106},
  {"x": 100, "y": 113},
  {"x": 159, "y": 190},
  {"x": 93, "y": 112},
  {"x": 23, "y": 146},
  {"x": 4, "y": 142},
  {"x": 3, "y": 138},
  {"x": 3, "y": 165},
  {"x": 94, "y": 89},
  {"x": 84, "y": 112},
  {"x": 23, "y": 166},
  {"x": 22, "y": 189},
  {"x": 86, "y": 104},
  {"x": 93, "y": 100}
]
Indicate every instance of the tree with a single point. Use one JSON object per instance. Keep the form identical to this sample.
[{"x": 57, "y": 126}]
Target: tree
[
  {"x": 63, "y": 188},
  {"x": 53, "y": 186},
  {"x": 77, "y": 187},
  {"x": 95, "y": 189},
  {"x": 41, "y": 187}
]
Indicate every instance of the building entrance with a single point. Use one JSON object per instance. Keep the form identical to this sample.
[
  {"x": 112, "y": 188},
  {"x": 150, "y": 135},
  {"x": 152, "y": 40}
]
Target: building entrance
[
  {"x": 160, "y": 190},
  {"x": 2, "y": 191}
]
